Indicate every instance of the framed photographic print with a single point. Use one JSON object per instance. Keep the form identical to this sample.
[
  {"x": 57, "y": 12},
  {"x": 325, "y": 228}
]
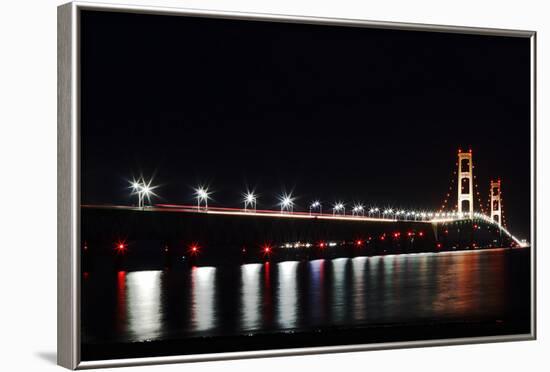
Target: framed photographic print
[{"x": 236, "y": 185}]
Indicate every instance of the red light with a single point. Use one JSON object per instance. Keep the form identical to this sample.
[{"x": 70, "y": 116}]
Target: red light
[
  {"x": 396, "y": 235},
  {"x": 322, "y": 245},
  {"x": 421, "y": 233},
  {"x": 194, "y": 249},
  {"x": 438, "y": 245},
  {"x": 382, "y": 237},
  {"x": 266, "y": 249},
  {"x": 409, "y": 233},
  {"x": 359, "y": 242},
  {"x": 446, "y": 231},
  {"x": 120, "y": 247}
]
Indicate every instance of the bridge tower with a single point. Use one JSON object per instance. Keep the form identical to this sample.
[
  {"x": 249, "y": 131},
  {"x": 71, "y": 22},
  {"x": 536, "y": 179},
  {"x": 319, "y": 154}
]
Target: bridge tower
[
  {"x": 465, "y": 183},
  {"x": 496, "y": 208}
]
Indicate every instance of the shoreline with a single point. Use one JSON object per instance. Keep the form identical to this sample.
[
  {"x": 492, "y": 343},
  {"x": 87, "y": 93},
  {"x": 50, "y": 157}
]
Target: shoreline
[{"x": 379, "y": 333}]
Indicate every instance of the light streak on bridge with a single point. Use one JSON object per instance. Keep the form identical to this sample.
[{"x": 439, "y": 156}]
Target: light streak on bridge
[{"x": 262, "y": 213}]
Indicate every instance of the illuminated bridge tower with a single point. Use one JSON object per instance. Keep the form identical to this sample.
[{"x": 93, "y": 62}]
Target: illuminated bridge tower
[
  {"x": 496, "y": 208},
  {"x": 465, "y": 184}
]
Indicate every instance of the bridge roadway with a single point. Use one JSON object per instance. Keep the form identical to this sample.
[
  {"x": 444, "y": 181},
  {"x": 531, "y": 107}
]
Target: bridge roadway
[
  {"x": 175, "y": 208},
  {"x": 262, "y": 213}
]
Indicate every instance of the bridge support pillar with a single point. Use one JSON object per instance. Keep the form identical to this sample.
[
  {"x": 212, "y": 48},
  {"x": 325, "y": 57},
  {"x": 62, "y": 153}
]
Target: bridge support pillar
[
  {"x": 465, "y": 183},
  {"x": 496, "y": 210}
]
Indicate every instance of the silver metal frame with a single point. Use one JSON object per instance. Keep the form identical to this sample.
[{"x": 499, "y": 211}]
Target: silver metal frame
[{"x": 68, "y": 181}]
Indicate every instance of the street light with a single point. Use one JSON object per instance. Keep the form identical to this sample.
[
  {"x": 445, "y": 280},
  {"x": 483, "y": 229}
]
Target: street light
[
  {"x": 358, "y": 209},
  {"x": 339, "y": 206},
  {"x": 202, "y": 195},
  {"x": 136, "y": 189},
  {"x": 143, "y": 190},
  {"x": 374, "y": 210},
  {"x": 316, "y": 205},
  {"x": 286, "y": 201},
  {"x": 250, "y": 200}
]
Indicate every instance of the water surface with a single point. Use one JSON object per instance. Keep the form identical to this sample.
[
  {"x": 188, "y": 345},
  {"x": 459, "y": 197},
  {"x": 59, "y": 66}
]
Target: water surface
[{"x": 293, "y": 296}]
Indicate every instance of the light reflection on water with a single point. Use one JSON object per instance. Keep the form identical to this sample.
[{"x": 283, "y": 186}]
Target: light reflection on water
[
  {"x": 203, "y": 294},
  {"x": 250, "y": 296},
  {"x": 359, "y": 288},
  {"x": 143, "y": 306},
  {"x": 287, "y": 298},
  {"x": 295, "y": 295},
  {"x": 316, "y": 292},
  {"x": 339, "y": 290}
]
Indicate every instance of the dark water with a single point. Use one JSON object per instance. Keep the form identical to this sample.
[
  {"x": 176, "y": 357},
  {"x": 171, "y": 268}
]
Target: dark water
[{"x": 292, "y": 296}]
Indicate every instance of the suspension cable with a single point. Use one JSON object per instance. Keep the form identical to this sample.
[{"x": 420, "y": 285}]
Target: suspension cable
[{"x": 450, "y": 190}]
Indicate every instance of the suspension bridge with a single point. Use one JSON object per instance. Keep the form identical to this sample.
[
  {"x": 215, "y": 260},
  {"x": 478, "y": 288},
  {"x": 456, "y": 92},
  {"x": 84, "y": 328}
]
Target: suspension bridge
[{"x": 389, "y": 230}]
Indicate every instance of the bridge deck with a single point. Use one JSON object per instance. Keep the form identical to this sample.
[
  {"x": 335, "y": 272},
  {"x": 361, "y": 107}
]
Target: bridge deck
[
  {"x": 262, "y": 213},
  {"x": 176, "y": 208}
]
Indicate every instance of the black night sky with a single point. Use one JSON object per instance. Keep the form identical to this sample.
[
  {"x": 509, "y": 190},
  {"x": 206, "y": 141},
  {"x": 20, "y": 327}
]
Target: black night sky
[{"x": 327, "y": 112}]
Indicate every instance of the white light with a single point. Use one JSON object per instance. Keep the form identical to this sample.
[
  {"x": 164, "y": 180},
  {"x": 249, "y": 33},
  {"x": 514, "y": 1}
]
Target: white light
[
  {"x": 250, "y": 200},
  {"x": 136, "y": 186},
  {"x": 286, "y": 201},
  {"x": 249, "y": 197},
  {"x": 142, "y": 189},
  {"x": 202, "y": 195}
]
